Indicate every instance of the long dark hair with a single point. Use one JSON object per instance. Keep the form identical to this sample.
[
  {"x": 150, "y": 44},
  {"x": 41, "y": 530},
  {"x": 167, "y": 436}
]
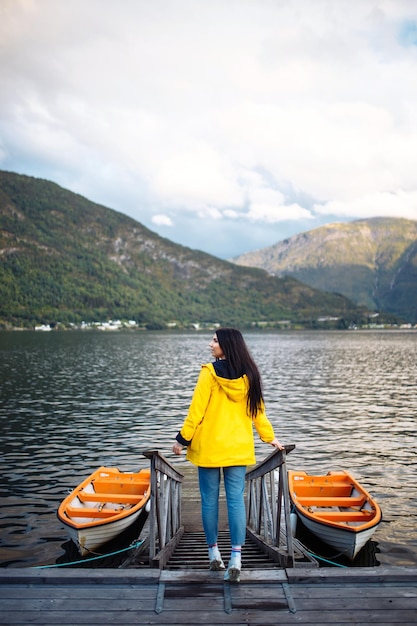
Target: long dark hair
[{"x": 241, "y": 361}]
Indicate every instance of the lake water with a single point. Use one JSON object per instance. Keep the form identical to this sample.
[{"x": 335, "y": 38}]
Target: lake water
[{"x": 70, "y": 402}]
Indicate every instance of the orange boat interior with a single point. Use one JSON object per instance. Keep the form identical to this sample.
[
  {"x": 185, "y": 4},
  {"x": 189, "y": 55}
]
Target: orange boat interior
[
  {"x": 112, "y": 490},
  {"x": 335, "y": 497}
]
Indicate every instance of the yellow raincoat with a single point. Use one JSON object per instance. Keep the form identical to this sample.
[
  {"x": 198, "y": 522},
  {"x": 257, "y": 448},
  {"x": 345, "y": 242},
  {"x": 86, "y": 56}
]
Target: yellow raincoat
[{"x": 218, "y": 430}]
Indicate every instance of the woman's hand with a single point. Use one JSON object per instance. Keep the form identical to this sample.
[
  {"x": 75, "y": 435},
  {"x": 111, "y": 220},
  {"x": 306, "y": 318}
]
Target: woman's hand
[
  {"x": 177, "y": 448},
  {"x": 277, "y": 444}
]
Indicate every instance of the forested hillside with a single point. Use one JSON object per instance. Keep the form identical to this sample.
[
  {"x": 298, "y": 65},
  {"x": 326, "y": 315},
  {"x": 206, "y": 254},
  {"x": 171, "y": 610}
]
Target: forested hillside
[{"x": 66, "y": 259}]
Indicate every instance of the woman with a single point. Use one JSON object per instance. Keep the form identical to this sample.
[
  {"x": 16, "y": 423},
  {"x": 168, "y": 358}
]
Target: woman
[{"x": 218, "y": 433}]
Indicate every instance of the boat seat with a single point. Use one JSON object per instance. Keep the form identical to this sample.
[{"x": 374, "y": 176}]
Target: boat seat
[
  {"x": 345, "y": 516},
  {"x": 124, "y": 476},
  {"x": 117, "y": 498},
  {"x": 125, "y": 479},
  {"x": 73, "y": 511},
  {"x": 329, "y": 501},
  {"x": 128, "y": 487},
  {"x": 327, "y": 490}
]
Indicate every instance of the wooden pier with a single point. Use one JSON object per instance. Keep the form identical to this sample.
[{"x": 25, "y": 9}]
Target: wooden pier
[
  {"x": 122, "y": 597},
  {"x": 169, "y": 583}
]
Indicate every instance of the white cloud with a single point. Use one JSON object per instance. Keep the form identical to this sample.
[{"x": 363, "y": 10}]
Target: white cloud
[
  {"x": 196, "y": 178},
  {"x": 393, "y": 204},
  {"x": 162, "y": 220},
  {"x": 271, "y": 213},
  {"x": 269, "y": 113},
  {"x": 269, "y": 205}
]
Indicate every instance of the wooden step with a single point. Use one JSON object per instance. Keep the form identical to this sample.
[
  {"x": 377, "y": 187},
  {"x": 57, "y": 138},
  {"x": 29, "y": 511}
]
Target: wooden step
[{"x": 192, "y": 553}]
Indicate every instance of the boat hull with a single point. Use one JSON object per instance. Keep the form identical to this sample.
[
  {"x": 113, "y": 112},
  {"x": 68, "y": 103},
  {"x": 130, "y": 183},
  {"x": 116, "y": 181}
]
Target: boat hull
[
  {"x": 90, "y": 539},
  {"x": 346, "y": 543},
  {"x": 336, "y": 509},
  {"x": 103, "y": 506}
]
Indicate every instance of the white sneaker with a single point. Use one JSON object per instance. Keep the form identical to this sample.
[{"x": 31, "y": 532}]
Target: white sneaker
[
  {"x": 233, "y": 570},
  {"x": 216, "y": 561},
  {"x": 233, "y": 574}
]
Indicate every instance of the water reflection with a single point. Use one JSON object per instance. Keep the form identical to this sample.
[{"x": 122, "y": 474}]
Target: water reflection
[{"x": 73, "y": 401}]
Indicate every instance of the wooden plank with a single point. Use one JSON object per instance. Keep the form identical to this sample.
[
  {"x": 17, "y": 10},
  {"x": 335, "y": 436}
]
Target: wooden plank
[
  {"x": 77, "y": 592},
  {"x": 374, "y": 590},
  {"x": 74, "y": 512},
  {"x": 356, "y": 574},
  {"x": 345, "y": 516},
  {"x": 250, "y": 590},
  {"x": 115, "y": 498},
  {"x": 205, "y": 576},
  {"x": 101, "y": 597},
  {"x": 364, "y": 604},
  {"x": 96, "y": 618},
  {"x": 260, "y": 597},
  {"x": 328, "y": 501},
  {"x": 271, "y": 615},
  {"x": 185, "y": 600},
  {"x": 46, "y": 603},
  {"x": 75, "y": 576}
]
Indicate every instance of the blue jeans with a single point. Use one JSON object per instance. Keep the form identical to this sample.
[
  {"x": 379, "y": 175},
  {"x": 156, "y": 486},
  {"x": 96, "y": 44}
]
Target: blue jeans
[{"x": 234, "y": 484}]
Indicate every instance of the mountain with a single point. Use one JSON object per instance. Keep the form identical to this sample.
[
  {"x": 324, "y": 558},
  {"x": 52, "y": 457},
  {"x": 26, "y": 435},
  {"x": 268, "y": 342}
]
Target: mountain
[
  {"x": 66, "y": 259},
  {"x": 372, "y": 262}
]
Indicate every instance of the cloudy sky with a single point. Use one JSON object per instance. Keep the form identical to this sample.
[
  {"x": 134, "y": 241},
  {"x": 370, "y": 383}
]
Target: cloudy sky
[{"x": 223, "y": 125}]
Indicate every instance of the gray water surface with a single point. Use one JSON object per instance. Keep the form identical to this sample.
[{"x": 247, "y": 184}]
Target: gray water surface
[{"x": 70, "y": 402}]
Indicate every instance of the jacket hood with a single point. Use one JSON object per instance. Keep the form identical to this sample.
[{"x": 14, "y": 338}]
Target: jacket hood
[{"x": 234, "y": 386}]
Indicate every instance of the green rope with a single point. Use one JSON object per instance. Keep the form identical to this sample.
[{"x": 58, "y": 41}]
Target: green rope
[
  {"x": 321, "y": 558},
  {"x": 93, "y": 558}
]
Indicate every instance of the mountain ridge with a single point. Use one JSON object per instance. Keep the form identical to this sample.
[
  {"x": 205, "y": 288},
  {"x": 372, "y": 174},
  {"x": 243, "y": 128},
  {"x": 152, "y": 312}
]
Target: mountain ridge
[
  {"x": 371, "y": 261},
  {"x": 65, "y": 258}
]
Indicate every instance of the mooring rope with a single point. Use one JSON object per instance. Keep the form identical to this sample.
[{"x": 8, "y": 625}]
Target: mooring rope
[
  {"x": 93, "y": 558},
  {"x": 317, "y": 556},
  {"x": 321, "y": 558}
]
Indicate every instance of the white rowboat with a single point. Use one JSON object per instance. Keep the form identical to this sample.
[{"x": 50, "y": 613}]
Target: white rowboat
[
  {"x": 103, "y": 506},
  {"x": 335, "y": 508}
]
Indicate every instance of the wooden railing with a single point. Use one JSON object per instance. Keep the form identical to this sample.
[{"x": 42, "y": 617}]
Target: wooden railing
[
  {"x": 165, "y": 530},
  {"x": 268, "y": 507}
]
